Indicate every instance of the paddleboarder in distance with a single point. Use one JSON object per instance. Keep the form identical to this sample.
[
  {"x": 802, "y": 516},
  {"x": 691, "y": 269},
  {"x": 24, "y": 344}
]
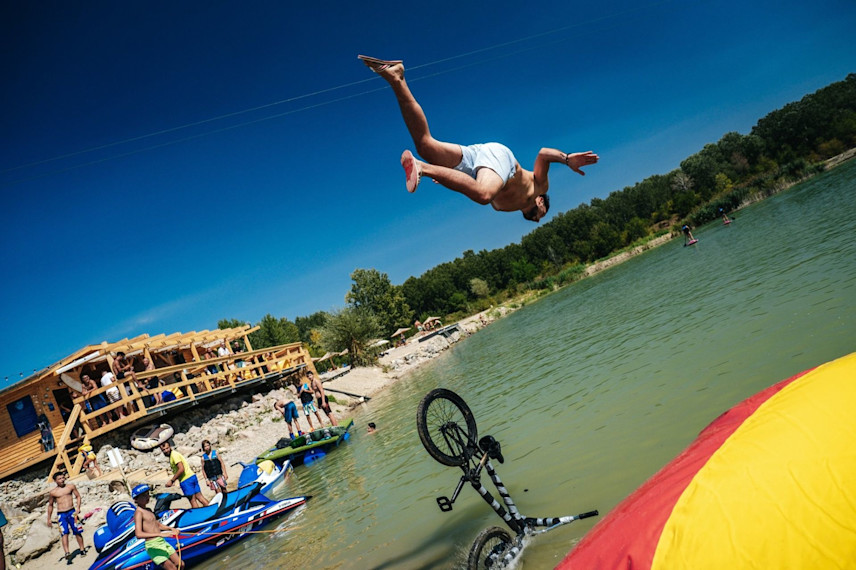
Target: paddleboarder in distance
[
  {"x": 688, "y": 235},
  {"x": 485, "y": 173}
]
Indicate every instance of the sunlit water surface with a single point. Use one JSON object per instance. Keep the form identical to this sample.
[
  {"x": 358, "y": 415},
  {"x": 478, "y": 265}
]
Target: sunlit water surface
[{"x": 590, "y": 390}]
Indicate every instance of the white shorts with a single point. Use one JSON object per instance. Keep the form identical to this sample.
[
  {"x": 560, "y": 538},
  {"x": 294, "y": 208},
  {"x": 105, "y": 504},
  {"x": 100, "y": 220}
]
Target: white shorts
[{"x": 495, "y": 156}]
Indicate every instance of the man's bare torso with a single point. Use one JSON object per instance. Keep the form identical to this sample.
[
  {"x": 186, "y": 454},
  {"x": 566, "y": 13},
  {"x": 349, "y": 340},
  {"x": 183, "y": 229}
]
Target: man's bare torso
[
  {"x": 519, "y": 192},
  {"x": 64, "y": 497}
]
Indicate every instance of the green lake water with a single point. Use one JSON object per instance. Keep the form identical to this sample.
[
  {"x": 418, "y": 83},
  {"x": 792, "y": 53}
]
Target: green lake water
[{"x": 590, "y": 390}]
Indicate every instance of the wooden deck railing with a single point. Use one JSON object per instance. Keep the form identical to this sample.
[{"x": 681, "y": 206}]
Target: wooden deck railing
[{"x": 197, "y": 382}]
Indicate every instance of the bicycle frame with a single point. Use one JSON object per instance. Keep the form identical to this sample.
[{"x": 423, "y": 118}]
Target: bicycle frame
[
  {"x": 448, "y": 431},
  {"x": 479, "y": 459}
]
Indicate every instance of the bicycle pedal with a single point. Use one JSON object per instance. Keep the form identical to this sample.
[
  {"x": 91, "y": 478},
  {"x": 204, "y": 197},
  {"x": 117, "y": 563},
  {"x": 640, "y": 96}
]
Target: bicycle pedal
[{"x": 444, "y": 503}]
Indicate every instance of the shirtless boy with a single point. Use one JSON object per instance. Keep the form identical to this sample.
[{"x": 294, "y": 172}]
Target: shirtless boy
[
  {"x": 321, "y": 397},
  {"x": 64, "y": 495},
  {"x": 147, "y": 526},
  {"x": 484, "y": 173}
]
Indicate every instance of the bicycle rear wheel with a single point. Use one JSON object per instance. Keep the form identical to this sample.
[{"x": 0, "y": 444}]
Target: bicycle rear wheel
[
  {"x": 446, "y": 427},
  {"x": 489, "y": 548}
]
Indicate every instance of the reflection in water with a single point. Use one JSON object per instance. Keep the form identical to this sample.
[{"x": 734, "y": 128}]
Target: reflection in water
[{"x": 591, "y": 390}]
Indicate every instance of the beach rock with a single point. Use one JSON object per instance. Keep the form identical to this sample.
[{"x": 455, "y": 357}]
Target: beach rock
[
  {"x": 39, "y": 540},
  {"x": 33, "y": 502},
  {"x": 187, "y": 451}
]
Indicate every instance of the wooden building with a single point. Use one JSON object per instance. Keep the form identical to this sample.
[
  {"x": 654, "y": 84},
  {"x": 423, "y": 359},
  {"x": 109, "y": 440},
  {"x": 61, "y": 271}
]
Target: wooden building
[{"x": 45, "y": 416}]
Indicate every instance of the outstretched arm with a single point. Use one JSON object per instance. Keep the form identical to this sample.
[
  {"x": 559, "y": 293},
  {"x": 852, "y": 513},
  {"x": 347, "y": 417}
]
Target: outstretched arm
[{"x": 574, "y": 161}]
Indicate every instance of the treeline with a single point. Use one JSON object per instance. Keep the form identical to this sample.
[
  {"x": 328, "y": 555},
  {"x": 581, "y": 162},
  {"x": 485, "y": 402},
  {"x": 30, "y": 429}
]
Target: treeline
[{"x": 786, "y": 145}]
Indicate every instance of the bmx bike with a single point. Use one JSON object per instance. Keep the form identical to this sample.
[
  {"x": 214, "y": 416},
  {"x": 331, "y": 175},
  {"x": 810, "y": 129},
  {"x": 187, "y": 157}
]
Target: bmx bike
[{"x": 448, "y": 431}]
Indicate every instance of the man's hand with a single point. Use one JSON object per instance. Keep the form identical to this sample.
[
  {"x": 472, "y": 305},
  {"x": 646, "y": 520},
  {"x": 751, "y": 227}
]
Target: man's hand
[
  {"x": 577, "y": 160},
  {"x": 169, "y": 483}
]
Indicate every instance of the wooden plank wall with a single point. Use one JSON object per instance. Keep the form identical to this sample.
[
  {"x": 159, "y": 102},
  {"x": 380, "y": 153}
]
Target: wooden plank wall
[{"x": 18, "y": 452}]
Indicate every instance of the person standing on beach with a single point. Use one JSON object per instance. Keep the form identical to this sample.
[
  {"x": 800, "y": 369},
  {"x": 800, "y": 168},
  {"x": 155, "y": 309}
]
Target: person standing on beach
[
  {"x": 148, "y": 527},
  {"x": 321, "y": 397},
  {"x": 213, "y": 468},
  {"x": 484, "y": 173},
  {"x": 306, "y": 398},
  {"x": 290, "y": 414},
  {"x": 64, "y": 495},
  {"x": 186, "y": 478}
]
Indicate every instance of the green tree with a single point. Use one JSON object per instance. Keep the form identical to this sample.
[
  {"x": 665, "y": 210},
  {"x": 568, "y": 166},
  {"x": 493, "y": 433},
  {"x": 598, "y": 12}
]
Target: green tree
[
  {"x": 479, "y": 287},
  {"x": 305, "y": 325},
  {"x": 522, "y": 271},
  {"x": 352, "y": 328},
  {"x": 273, "y": 332},
  {"x": 604, "y": 239},
  {"x": 230, "y": 323},
  {"x": 374, "y": 292}
]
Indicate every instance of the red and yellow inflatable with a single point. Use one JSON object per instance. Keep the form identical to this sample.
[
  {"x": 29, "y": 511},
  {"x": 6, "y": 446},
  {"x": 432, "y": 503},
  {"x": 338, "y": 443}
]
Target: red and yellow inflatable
[{"x": 771, "y": 483}]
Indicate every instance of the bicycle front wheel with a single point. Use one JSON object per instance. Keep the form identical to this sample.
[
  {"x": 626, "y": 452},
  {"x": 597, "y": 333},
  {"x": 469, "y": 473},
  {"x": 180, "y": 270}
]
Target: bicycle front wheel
[
  {"x": 489, "y": 548},
  {"x": 446, "y": 427}
]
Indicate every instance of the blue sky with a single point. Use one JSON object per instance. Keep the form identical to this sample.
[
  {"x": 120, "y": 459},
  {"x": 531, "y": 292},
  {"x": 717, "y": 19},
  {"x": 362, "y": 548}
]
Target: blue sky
[{"x": 245, "y": 162}]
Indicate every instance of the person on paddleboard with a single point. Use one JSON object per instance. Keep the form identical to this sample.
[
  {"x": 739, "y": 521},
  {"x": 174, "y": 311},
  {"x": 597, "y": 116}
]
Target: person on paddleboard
[
  {"x": 688, "y": 235},
  {"x": 485, "y": 173}
]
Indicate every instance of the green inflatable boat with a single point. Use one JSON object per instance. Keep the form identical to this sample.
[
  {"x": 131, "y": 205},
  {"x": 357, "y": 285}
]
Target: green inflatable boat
[{"x": 307, "y": 447}]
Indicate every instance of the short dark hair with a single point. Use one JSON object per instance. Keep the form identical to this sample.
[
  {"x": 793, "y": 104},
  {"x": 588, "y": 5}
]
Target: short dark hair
[
  {"x": 57, "y": 474},
  {"x": 122, "y": 354},
  {"x": 530, "y": 213},
  {"x": 372, "y": 425}
]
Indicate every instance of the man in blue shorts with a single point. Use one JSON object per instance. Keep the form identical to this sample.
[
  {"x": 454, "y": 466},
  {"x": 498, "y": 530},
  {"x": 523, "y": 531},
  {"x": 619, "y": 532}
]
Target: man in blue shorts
[
  {"x": 64, "y": 495},
  {"x": 307, "y": 398},
  {"x": 484, "y": 173},
  {"x": 185, "y": 476},
  {"x": 289, "y": 412}
]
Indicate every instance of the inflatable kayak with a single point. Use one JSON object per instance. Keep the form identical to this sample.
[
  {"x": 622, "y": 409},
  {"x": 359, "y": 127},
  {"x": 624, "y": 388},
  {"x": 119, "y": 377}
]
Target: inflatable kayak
[
  {"x": 203, "y": 531},
  {"x": 151, "y": 437},
  {"x": 768, "y": 484},
  {"x": 308, "y": 447}
]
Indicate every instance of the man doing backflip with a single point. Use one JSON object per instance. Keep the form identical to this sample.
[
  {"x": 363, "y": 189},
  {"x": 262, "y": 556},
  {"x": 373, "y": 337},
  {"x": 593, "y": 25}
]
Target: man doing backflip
[{"x": 485, "y": 173}]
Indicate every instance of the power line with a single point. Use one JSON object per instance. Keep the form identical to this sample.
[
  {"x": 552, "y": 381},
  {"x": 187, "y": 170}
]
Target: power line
[{"x": 467, "y": 54}]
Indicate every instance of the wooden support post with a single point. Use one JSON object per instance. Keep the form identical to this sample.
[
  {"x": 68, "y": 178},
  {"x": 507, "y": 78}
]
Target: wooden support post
[{"x": 62, "y": 456}]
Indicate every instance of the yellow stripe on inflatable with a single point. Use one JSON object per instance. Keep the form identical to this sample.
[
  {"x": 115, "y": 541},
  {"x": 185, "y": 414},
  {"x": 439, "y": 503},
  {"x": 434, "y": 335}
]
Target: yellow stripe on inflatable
[{"x": 781, "y": 491}]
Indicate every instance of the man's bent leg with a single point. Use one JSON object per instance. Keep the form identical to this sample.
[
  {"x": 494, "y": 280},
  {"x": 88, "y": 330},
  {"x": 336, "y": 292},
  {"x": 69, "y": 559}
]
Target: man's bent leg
[{"x": 482, "y": 189}]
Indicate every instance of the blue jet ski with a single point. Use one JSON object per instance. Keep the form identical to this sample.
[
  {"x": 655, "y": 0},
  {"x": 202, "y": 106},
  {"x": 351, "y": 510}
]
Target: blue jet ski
[{"x": 203, "y": 531}]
